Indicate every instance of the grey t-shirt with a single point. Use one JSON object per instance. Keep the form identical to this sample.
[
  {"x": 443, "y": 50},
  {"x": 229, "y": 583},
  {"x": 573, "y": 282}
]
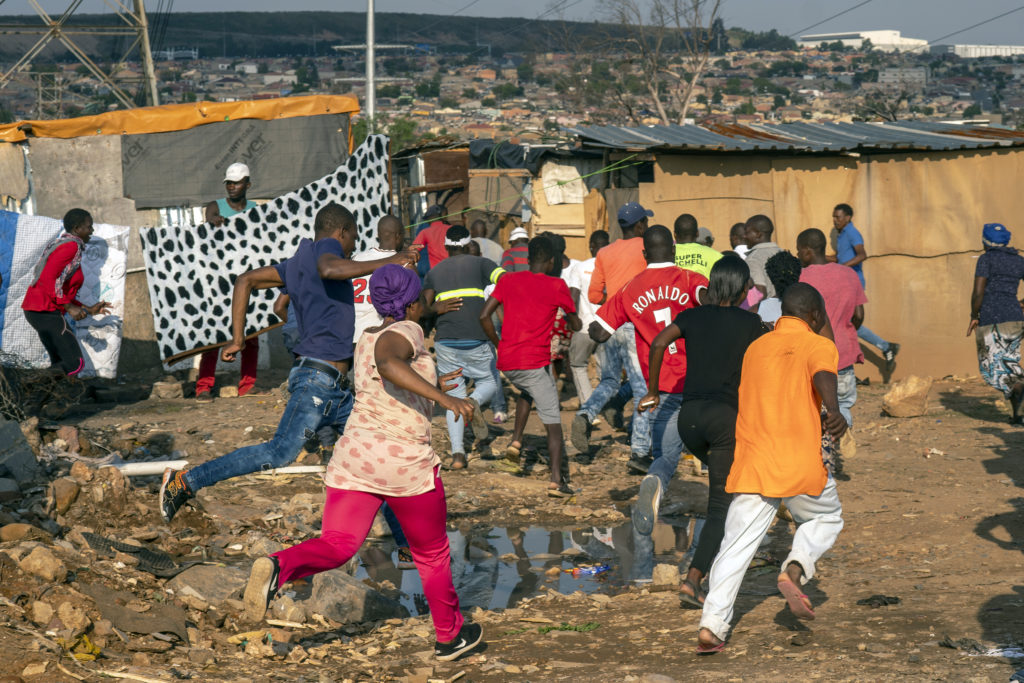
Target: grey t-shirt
[
  {"x": 757, "y": 257},
  {"x": 465, "y": 277}
]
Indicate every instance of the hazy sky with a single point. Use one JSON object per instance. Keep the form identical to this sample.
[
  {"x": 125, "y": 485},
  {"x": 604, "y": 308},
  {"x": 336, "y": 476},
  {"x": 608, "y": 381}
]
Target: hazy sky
[{"x": 928, "y": 19}]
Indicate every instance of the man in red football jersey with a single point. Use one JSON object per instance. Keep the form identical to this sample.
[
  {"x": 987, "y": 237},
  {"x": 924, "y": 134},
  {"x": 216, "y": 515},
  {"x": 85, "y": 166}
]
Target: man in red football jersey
[{"x": 651, "y": 301}]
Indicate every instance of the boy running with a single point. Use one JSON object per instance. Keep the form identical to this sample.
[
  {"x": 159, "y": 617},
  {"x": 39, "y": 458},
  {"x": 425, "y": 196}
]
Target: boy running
[{"x": 530, "y": 300}]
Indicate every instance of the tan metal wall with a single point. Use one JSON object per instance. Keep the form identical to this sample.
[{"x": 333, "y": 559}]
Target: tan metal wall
[{"x": 920, "y": 213}]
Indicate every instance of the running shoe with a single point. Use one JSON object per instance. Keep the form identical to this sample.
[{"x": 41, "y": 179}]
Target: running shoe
[
  {"x": 469, "y": 637},
  {"x": 262, "y": 587},
  {"x": 890, "y": 356},
  {"x": 174, "y": 492},
  {"x": 580, "y": 434},
  {"x": 478, "y": 423},
  {"x": 645, "y": 512}
]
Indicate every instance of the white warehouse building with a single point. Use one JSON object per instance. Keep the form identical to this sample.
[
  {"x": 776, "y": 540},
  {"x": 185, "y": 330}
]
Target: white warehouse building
[
  {"x": 976, "y": 51},
  {"x": 885, "y": 40}
]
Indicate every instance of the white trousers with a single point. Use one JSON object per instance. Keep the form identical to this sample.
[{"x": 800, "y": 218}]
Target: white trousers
[{"x": 819, "y": 519}]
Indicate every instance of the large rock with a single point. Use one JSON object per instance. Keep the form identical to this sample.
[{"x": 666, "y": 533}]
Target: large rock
[
  {"x": 44, "y": 564},
  {"x": 22, "y": 532},
  {"x": 9, "y": 490},
  {"x": 209, "y": 583},
  {"x": 665, "y": 575},
  {"x": 16, "y": 456},
  {"x": 908, "y": 398},
  {"x": 62, "y": 494},
  {"x": 338, "y": 596},
  {"x": 167, "y": 390},
  {"x": 110, "y": 488}
]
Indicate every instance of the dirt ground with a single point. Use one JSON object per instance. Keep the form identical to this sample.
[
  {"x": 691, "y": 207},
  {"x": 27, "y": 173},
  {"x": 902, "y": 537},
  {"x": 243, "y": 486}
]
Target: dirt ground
[{"x": 934, "y": 515}]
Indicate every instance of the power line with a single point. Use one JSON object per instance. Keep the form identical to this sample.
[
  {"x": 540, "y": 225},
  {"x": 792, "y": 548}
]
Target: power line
[
  {"x": 834, "y": 16},
  {"x": 448, "y": 16},
  {"x": 980, "y": 23}
]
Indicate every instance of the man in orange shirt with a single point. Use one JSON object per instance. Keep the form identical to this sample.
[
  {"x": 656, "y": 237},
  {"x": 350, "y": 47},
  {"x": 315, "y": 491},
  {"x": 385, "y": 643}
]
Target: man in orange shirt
[
  {"x": 614, "y": 266},
  {"x": 786, "y": 376}
]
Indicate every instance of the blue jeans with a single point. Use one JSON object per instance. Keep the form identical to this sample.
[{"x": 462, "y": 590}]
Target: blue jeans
[
  {"x": 615, "y": 354},
  {"x": 871, "y": 338},
  {"x": 668, "y": 444},
  {"x": 498, "y": 402},
  {"x": 476, "y": 364},
  {"x": 317, "y": 400},
  {"x": 847, "y": 393}
]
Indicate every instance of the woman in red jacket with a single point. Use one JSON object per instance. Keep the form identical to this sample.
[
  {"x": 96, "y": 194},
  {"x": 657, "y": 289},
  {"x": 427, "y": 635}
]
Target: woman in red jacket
[{"x": 58, "y": 279}]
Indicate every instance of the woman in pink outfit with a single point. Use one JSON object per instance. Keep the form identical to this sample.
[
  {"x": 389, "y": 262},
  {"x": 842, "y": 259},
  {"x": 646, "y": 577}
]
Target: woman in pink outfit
[{"x": 385, "y": 456}]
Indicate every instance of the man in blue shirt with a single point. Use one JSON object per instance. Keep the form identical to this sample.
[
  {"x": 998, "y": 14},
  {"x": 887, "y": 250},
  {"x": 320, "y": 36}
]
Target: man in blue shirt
[
  {"x": 850, "y": 252},
  {"x": 318, "y": 280}
]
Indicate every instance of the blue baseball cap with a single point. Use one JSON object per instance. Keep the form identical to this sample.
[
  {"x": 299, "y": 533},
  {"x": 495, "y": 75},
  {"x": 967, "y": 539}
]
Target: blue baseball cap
[
  {"x": 632, "y": 213},
  {"x": 996, "y": 233}
]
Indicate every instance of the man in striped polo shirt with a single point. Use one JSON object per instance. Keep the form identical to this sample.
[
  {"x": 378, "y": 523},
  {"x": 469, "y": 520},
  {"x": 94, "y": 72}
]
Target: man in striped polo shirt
[{"x": 454, "y": 290}]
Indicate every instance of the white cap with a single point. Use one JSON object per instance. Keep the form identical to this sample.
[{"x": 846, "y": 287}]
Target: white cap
[
  {"x": 236, "y": 172},
  {"x": 519, "y": 234}
]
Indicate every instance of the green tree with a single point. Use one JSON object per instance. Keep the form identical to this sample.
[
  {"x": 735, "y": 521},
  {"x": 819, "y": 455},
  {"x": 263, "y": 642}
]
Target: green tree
[
  {"x": 390, "y": 90},
  {"x": 972, "y": 111},
  {"x": 779, "y": 101},
  {"x": 504, "y": 91},
  {"x": 469, "y": 93},
  {"x": 489, "y": 102},
  {"x": 525, "y": 71},
  {"x": 188, "y": 96},
  {"x": 263, "y": 68},
  {"x": 431, "y": 88},
  {"x": 746, "y": 108},
  {"x": 448, "y": 103},
  {"x": 6, "y": 115}
]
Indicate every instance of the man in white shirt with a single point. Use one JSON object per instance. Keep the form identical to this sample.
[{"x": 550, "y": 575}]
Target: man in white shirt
[
  {"x": 390, "y": 240},
  {"x": 582, "y": 347}
]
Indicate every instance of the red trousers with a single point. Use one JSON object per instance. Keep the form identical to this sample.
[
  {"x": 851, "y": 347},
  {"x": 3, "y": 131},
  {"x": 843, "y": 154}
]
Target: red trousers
[
  {"x": 208, "y": 368},
  {"x": 348, "y": 516}
]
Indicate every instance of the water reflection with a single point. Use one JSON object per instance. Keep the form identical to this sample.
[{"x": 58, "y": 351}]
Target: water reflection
[{"x": 496, "y": 568}]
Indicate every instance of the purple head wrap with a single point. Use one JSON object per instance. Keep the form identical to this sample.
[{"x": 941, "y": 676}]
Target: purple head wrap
[{"x": 392, "y": 288}]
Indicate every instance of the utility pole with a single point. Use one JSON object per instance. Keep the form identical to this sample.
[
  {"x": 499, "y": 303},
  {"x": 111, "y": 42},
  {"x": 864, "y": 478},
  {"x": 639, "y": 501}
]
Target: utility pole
[
  {"x": 133, "y": 25},
  {"x": 147, "y": 54},
  {"x": 371, "y": 88}
]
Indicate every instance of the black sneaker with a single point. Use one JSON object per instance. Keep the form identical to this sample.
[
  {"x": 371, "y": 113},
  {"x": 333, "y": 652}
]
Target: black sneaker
[
  {"x": 262, "y": 587},
  {"x": 173, "y": 493},
  {"x": 479, "y": 425},
  {"x": 890, "y": 356},
  {"x": 469, "y": 637},
  {"x": 645, "y": 512},
  {"x": 639, "y": 464},
  {"x": 580, "y": 433}
]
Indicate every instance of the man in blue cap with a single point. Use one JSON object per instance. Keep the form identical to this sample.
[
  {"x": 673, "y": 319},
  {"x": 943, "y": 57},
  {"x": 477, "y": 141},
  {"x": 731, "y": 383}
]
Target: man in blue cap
[
  {"x": 614, "y": 266},
  {"x": 850, "y": 252}
]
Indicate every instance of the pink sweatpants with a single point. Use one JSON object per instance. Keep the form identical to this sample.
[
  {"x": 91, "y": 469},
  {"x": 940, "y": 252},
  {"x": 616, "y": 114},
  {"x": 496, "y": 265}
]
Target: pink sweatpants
[{"x": 348, "y": 516}]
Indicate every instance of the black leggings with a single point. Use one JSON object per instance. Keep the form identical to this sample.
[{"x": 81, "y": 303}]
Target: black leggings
[
  {"x": 58, "y": 339},
  {"x": 708, "y": 429}
]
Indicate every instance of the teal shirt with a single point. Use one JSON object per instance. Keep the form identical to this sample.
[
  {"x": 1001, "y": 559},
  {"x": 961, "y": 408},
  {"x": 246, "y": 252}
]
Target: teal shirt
[{"x": 227, "y": 212}]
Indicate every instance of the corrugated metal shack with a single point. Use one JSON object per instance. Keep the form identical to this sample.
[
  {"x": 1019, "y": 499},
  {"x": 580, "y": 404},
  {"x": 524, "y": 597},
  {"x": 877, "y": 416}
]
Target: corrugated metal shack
[{"x": 921, "y": 192}]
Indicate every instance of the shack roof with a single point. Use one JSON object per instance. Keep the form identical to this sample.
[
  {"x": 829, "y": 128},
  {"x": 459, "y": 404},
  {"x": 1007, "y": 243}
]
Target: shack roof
[
  {"x": 178, "y": 117},
  {"x": 801, "y": 137}
]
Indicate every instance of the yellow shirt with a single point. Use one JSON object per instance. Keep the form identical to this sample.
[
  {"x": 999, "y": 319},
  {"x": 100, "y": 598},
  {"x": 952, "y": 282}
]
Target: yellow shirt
[
  {"x": 778, "y": 428},
  {"x": 696, "y": 257}
]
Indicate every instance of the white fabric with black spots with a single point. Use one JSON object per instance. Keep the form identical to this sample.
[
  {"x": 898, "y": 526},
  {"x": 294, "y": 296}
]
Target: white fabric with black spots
[{"x": 191, "y": 271}]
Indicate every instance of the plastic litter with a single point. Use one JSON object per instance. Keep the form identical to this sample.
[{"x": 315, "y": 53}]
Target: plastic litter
[{"x": 588, "y": 570}]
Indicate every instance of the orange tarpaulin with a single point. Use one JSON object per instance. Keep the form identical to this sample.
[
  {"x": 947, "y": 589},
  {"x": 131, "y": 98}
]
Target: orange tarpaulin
[{"x": 178, "y": 117}]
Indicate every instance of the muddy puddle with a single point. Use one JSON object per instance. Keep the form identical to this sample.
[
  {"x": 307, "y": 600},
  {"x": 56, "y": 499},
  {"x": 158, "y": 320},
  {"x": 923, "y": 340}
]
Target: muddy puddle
[{"x": 498, "y": 567}]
